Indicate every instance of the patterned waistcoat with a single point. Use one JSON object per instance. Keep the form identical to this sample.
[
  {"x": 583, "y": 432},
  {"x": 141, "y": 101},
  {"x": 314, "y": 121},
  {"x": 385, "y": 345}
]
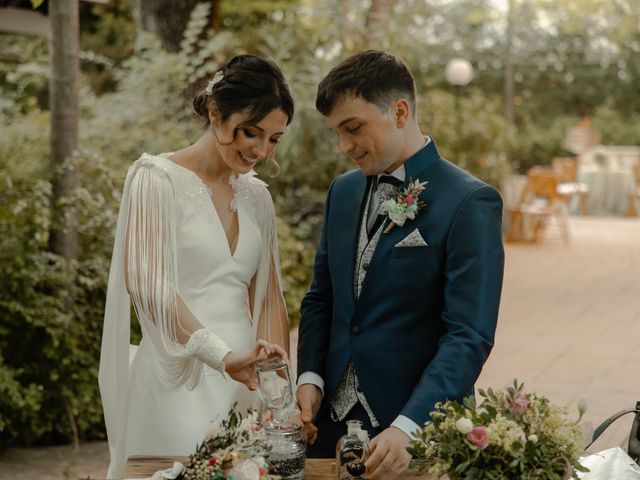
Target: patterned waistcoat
[{"x": 348, "y": 393}]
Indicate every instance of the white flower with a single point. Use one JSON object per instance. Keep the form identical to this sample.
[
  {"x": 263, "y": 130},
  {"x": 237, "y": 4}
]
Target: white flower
[
  {"x": 418, "y": 186},
  {"x": 405, "y": 205},
  {"x": 411, "y": 211},
  {"x": 397, "y": 213},
  {"x": 582, "y": 406},
  {"x": 513, "y": 436},
  {"x": 246, "y": 470},
  {"x": 464, "y": 425},
  {"x": 533, "y": 438},
  {"x": 245, "y": 424}
]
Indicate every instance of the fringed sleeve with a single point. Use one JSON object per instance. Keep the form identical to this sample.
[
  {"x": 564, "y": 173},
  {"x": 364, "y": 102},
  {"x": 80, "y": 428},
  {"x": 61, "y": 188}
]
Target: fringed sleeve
[
  {"x": 181, "y": 343},
  {"x": 144, "y": 269},
  {"x": 270, "y": 307}
]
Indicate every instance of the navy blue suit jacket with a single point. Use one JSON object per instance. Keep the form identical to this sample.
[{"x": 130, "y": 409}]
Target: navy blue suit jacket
[{"x": 424, "y": 322}]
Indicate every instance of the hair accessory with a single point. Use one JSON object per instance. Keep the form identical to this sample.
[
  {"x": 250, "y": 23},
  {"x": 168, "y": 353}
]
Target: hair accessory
[{"x": 213, "y": 82}]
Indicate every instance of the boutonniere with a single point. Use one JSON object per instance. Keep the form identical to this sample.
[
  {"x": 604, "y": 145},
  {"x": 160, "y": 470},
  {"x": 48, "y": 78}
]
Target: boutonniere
[{"x": 405, "y": 205}]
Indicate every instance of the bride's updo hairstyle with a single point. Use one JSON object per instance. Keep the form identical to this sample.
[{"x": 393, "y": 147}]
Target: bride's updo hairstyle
[{"x": 245, "y": 83}]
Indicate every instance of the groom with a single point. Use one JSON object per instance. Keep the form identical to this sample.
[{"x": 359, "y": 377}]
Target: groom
[{"x": 398, "y": 317}]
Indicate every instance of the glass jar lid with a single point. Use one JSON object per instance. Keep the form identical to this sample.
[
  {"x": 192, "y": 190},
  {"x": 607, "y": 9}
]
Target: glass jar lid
[{"x": 282, "y": 429}]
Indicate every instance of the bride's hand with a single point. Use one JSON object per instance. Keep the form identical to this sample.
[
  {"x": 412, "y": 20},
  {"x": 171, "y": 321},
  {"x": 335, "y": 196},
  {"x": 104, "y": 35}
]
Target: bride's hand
[{"x": 239, "y": 365}]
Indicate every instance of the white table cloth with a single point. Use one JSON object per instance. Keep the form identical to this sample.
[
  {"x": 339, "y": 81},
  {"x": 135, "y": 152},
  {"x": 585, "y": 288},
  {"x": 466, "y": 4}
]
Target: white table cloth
[
  {"x": 611, "y": 464},
  {"x": 609, "y": 188}
]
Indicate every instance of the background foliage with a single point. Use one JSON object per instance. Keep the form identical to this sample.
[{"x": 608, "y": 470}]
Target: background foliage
[{"x": 135, "y": 97}]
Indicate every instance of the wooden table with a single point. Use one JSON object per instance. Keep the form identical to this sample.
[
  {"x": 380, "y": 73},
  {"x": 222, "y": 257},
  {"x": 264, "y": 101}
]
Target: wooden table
[{"x": 315, "y": 469}]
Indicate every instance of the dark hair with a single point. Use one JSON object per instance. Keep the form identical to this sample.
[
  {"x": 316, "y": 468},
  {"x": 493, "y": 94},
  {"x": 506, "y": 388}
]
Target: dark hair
[
  {"x": 248, "y": 83},
  {"x": 377, "y": 77}
]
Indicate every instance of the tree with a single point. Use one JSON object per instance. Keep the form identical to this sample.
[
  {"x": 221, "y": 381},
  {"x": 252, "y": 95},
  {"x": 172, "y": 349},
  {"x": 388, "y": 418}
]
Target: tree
[
  {"x": 377, "y": 23},
  {"x": 63, "y": 86},
  {"x": 168, "y": 18},
  {"x": 508, "y": 67}
]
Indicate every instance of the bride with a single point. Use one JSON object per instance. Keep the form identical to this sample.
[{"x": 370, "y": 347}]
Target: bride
[{"x": 196, "y": 253}]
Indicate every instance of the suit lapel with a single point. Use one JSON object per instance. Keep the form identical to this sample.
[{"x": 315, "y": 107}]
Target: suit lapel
[
  {"x": 351, "y": 203},
  {"x": 415, "y": 168}
]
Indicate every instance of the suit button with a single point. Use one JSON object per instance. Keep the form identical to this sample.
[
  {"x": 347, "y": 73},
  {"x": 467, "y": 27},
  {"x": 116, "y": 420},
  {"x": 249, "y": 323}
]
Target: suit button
[
  {"x": 365, "y": 266},
  {"x": 355, "y": 330}
]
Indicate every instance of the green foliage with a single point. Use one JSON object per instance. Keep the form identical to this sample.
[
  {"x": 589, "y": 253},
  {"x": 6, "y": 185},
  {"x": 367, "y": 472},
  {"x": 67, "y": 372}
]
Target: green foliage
[
  {"x": 475, "y": 135},
  {"x": 202, "y": 51},
  {"x": 537, "y": 144},
  {"x": 107, "y": 29},
  {"x": 296, "y": 259},
  {"x": 147, "y": 112},
  {"x": 616, "y": 127},
  {"x": 251, "y": 14},
  {"x": 107, "y": 36},
  {"x": 24, "y": 74},
  {"x": 50, "y": 310}
]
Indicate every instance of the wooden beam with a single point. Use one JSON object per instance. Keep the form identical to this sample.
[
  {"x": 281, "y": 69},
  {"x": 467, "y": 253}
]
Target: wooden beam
[{"x": 29, "y": 22}]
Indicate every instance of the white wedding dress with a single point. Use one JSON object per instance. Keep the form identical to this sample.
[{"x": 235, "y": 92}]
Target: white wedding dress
[{"x": 180, "y": 271}]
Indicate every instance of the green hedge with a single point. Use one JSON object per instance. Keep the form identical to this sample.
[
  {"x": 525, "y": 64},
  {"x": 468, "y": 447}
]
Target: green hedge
[{"x": 50, "y": 310}]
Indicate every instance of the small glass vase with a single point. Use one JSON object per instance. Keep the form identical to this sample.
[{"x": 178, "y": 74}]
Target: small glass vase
[
  {"x": 351, "y": 452},
  {"x": 276, "y": 388}
]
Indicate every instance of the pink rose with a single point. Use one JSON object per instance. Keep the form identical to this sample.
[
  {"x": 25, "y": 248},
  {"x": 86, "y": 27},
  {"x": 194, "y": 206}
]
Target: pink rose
[
  {"x": 408, "y": 199},
  {"x": 519, "y": 404},
  {"x": 478, "y": 437}
]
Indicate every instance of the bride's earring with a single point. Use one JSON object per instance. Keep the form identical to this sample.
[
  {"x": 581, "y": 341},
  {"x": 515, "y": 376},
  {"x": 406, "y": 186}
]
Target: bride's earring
[{"x": 273, "y": 163}]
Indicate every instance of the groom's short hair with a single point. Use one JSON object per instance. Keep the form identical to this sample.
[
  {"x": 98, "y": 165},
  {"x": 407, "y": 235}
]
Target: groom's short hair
[{"x": 377, "y": 77}]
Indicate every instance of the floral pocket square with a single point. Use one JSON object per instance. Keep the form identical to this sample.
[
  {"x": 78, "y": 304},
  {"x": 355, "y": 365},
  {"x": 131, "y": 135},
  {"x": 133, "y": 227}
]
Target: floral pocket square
[{"x": 414, "y": 239}]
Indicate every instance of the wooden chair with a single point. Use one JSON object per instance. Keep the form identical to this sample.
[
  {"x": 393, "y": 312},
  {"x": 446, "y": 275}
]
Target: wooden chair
[
  {"x": 539, "y": 204},
  {"x": 568, "y": 186},
  {"x": 634, "y": 196}
]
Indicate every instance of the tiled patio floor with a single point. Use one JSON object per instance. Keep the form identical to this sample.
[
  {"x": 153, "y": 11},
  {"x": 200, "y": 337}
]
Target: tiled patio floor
[{"x": 569, "y": 322}]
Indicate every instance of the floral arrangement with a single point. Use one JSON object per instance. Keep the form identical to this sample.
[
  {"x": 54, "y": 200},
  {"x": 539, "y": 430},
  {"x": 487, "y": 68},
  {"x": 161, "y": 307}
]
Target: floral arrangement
[
  {"x": 509, "y": 435},
  {"x": 232, "y": 450},
  {"x": 405, "y": 205}
]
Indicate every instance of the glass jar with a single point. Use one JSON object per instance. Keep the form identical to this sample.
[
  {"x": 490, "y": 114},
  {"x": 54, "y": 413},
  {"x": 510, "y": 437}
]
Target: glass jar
[
  {"x": 286, "y": 455},
  {"x": 276, "y": 387},
  {"x": 351, "y": 451}
]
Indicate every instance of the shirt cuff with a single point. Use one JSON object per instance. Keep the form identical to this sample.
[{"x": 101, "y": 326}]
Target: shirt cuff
[
  {"x": 405, "y": 424},
  {"x": 313, "y": 378}
]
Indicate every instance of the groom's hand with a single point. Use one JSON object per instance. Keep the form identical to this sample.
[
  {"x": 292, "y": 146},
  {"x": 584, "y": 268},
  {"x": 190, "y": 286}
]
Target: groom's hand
[
  {"x": 309, "y": 398},
  {"x": 389, "y": 456}
]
